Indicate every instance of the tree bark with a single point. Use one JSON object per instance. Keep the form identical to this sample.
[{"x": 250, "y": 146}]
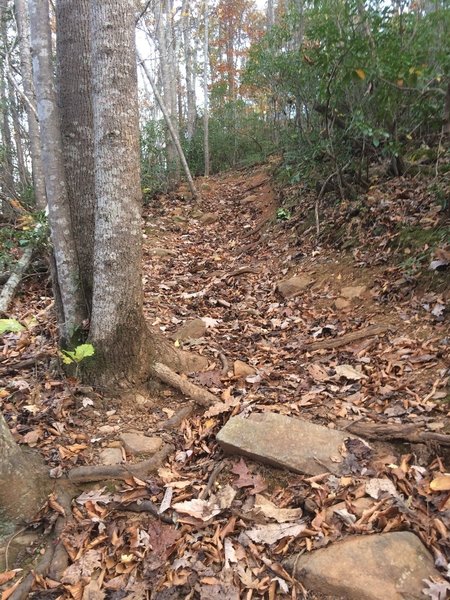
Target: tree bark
[
  {"x": 67, "y": 273},
  {"x": 117, "y": 329},
  {"x": 164, "y": 39},
  {"x": 205, "y": 89},
  {"x": 75, "y": 101},
  {"x": 173, "y": 133},
  {"x": 22, "y": 480},
  {"x": 7, "y": 175},
  {"x": 191, "y": 112},
  {"x": 37, "y": 166}
]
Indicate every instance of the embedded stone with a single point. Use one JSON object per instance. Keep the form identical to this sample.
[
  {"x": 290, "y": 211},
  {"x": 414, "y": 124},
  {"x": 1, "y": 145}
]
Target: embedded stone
[
  {"x": 294, "y": 286},
  {"x": 209, "y": 218},
  {"x": 111, "y": 456},
  {"x": 137, "y": 443},
  {"x": 352, "y": 292},
  {"x": 369, "y": 567},
  {"x": 194, "y": 329},
  {"x": 284, "y": 442}
]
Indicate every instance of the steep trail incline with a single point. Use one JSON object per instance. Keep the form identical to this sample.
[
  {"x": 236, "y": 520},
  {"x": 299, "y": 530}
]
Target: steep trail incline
[{"x": 224, "y": 263}]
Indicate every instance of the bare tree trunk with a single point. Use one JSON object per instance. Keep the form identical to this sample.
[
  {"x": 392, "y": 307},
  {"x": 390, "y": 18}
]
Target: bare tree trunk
[
  {"x": 19, "y": 138},
  {"x": 163, "y": 36},
  {"x": 75, "y": 101},
  {"x": 7, "y": 175},
  {"x": 118, "y": 329},
  {"x": 190, "y": 72},
  {"x": 67, "y": 273},
  {"x": 205, "y": 89},
  {"x": 270, "y": 15},
  {"x": 28, "y": 87},
  {"x": 172, "y": 131}
]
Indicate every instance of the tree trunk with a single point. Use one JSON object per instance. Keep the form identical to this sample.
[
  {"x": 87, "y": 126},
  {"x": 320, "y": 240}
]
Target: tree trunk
[
  {"x": 7, "y": 176},
  {"x": 270, "y": 15},
  {"x": 19, "y": 138},
  {"x": 75, "y": 101},
  {"x": 190, "y": 72},
  {"x": 172, "y": 131},
  {"x": 22, "y": 481},
  {"x": 163, "y": 36},
  {"x": 67, "y": 274},
  {"x": 37, "y": 166},
  {"x": 118, "y": 329},
  {"x": 205, "y": 90}
]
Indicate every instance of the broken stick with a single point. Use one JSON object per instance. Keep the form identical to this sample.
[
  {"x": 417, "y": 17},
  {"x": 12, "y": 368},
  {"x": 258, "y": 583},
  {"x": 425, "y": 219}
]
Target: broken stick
[
  {"x": 347, "y": 338},
  {"x": 390, "y": 431}
]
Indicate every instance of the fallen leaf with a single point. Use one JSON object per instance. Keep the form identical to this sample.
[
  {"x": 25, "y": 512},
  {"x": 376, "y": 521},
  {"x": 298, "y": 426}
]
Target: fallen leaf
[
  {"x": 271, "y": 511},
  {"x": 375, "y": 487},
  {"x": 349, "y": 372},
  {"x": 8, "y": 575},
  {"x": 441, "y": 483},
  {"x": 269, "y": 534}
]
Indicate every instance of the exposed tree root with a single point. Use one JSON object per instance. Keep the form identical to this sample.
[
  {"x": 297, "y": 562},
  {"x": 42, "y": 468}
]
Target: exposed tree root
[
  {"x": 101, "y": 472},
  {"x": 200, "y": 395},
  {"x": 54, "y": 559},
  {"x": 9, "y": 289},
  {"x": 389, "y": 431}
]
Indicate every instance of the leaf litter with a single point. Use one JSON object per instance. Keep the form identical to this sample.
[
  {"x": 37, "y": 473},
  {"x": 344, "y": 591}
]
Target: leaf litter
[{"x": 230, "y": 533}]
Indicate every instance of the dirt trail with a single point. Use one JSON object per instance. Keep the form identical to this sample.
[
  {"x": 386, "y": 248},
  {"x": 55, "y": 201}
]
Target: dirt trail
[
  {"x": 334, "y": 337},
  {"x": 227, "y": 272}
]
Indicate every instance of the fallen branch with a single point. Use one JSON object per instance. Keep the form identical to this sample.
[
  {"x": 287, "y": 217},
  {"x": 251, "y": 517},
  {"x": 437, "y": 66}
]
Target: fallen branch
[
  {"x": 197, "y": 393},
  {"x": 175, "y": 421},
  {"x": 122, "y": 471},
  {"x": 9, "y": 289},
  {"x": 146, "y": 506},
  {"x": 347, "y": 339},
  {"x": 389, "y": 431},
  {"x": 212, "y": 480},
  {"x": 24, "y": 364},
  {"x": 244, "y": 270}
]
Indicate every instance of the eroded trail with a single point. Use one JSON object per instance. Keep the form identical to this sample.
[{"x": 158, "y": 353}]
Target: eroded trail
[
  {"x": 332, "y": 338},
  {"x": 232, "y": 282}
]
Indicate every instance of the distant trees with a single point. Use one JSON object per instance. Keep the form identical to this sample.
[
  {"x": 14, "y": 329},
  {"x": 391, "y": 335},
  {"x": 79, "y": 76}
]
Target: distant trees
[{"x": 350, "y": 82}]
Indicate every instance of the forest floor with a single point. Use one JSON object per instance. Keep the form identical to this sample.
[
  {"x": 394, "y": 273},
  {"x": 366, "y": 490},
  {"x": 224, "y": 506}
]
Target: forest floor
[{"x": 212, "y": 276}]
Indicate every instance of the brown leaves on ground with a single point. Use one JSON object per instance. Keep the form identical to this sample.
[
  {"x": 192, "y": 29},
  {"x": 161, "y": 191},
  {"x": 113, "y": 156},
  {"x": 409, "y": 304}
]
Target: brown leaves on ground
[{"x": 232, "y": 529}]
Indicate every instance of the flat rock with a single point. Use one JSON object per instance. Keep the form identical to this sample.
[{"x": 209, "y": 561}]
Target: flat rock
[
  {"x": 353, "y": 291},
  {"x": 242, "y": 369},
  {"x": 386, "y": 566},
  {"x": 194, "y": 329},
  {"x": 209, "y": 218},
  {"x": 161, "y": 252},
  {"x": 136, "y": 443},
  {"x": 291, "y": 287},
  {"x": 284, "y": 442},
  {"x": 111, "y": 456},
  {"x": 341, "y": 303}
]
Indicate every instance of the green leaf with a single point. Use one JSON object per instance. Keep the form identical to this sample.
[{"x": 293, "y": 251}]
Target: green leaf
[
  {"x": 67, "y": 357},
  {"x": 83, "y": 351},
  {"x": 10, "y": 326}
]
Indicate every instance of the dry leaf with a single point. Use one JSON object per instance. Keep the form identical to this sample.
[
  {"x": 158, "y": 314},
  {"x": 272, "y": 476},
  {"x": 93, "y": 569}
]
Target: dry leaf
[
  {"x": 269, "y": 534},
  {"x": 441, "y": 483},
  {"x": 349, "y": 372},
  {"x": 271, "y": 511}
]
